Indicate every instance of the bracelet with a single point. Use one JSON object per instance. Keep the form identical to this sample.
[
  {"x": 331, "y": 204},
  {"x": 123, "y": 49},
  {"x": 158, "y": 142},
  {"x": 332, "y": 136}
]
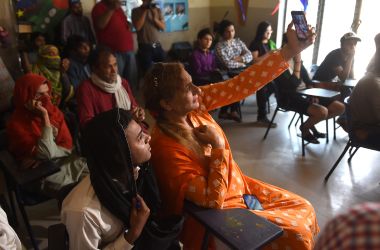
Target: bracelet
[
  {"x": 295, "y": 71},
  {"x": 297, "y": 61}
]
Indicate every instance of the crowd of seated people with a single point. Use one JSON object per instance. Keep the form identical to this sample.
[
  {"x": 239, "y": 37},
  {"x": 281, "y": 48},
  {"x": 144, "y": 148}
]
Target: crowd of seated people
[{"x": 116, "y": 194}]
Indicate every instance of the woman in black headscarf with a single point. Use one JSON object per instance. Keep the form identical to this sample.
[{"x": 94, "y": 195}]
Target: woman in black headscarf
[{"x": 109, "y": 209}]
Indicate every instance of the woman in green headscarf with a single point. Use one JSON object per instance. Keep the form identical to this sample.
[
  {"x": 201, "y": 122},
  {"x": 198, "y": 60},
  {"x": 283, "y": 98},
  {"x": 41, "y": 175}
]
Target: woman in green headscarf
[{"x": 50, "y": 65}]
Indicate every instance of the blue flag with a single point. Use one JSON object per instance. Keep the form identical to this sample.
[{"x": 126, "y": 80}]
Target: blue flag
[{"x": 304, "y": 3}]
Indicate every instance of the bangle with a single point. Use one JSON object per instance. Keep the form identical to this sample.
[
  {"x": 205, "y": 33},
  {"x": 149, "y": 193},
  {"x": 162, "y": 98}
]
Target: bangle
[
  {"x": 297, "y": 61},
  {"x": 295, "y": 71}
]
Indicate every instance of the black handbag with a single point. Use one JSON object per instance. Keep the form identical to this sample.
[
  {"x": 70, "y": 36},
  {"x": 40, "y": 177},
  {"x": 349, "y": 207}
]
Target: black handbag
[{"x": 160, "y": 234}]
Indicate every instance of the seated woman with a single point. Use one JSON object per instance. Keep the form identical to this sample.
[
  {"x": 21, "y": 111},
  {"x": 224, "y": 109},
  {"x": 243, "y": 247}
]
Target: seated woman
[
  {"x": 37, "y": 131},
  {"x": 102, "y": 211},
  {"x": 261, "y": 45},
  {"x": 319, "y": 110},
  {"x": 203, "y": 60},
  {"x": 50, "y": 65},
  {"x": 192, "y": 158}
]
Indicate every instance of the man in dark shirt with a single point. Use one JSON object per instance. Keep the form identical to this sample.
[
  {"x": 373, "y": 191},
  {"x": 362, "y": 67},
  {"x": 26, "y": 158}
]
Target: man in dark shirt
[{"x": 339, "y": 62}]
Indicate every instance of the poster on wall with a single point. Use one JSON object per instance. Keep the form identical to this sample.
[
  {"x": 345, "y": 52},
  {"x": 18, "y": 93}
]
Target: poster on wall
[
  {"x": 176, "y": 14},
  {"x": 44, "y": 16}
]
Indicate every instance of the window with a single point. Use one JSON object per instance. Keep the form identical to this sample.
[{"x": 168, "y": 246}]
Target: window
[{"x": 368, "y": 29}]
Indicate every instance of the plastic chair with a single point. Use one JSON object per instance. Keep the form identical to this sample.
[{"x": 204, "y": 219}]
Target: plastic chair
[
  {"x": 352, "y": 145},
  {"x": 16, "y": 179}
]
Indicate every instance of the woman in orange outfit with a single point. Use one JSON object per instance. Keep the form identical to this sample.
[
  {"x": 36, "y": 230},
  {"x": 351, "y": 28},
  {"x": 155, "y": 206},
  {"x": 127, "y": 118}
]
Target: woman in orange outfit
[{"x": 192, "y": 157}]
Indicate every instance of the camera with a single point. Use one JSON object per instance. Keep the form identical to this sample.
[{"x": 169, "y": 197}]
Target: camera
[{"x": 151, "y": 5}]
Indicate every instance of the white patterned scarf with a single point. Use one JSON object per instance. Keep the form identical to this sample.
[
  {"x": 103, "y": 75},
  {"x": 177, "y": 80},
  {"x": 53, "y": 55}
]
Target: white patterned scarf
[{"x": 122, "y": 98}]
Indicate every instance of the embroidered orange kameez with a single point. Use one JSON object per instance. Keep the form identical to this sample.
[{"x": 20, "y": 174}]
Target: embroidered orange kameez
[{"x": 218, "y": 182}]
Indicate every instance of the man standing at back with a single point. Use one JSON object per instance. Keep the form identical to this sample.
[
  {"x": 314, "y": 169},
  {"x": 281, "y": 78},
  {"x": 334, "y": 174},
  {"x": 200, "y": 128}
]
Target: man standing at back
[
  {"x": 77, "y": 24},
  {"x": 113, "y": 31},
  {"x": 148, "y": 21}
]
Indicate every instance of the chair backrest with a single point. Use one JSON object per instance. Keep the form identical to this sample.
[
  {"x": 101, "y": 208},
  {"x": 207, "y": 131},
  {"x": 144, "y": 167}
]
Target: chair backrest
[{"x": 180, "y": 51}]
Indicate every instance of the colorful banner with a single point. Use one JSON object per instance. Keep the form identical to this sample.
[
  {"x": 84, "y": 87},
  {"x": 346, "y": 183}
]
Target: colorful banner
[{"x": 44, "y": 16}]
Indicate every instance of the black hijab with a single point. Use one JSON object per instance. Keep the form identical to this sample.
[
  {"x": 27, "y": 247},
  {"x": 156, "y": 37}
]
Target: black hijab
[{"x": 110, "y": 164}]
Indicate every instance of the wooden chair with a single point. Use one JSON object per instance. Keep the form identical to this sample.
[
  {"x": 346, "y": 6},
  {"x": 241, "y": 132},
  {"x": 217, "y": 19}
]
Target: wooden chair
[{"x": 246, "y": 231}]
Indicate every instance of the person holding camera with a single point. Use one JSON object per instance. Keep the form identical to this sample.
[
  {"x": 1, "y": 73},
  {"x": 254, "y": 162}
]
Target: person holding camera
[
  {"x": 148, "y": 21},
  {"x": 113, "y": 31}
]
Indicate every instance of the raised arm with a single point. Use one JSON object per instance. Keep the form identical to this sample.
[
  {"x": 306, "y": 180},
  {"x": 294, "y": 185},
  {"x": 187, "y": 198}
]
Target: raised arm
[
  {"x": 138, "y": 17},
  {"x": 101, "y": 21},
  {"x": 256, "y": 76},
  {"x": 246, "y": 83}
]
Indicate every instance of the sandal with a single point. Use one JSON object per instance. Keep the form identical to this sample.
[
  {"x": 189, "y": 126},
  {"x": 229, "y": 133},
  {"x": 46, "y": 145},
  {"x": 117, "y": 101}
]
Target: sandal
[
  {"x": 317, "y": 134},
  {"x": 224, "y": 115},
  {"x": 235, "y": 116},
  {"x": 310, "y": 138}
]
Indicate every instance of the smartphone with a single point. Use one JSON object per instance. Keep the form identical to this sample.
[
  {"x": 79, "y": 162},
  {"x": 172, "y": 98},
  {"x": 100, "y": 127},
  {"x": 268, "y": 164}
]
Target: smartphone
[
  {"x": 252, "y": 202},
  {"x": 300, "y": 23}
]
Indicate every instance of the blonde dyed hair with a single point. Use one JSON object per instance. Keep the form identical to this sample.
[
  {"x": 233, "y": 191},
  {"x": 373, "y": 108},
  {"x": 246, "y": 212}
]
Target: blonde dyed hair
[{"x": 162, "y": 83}]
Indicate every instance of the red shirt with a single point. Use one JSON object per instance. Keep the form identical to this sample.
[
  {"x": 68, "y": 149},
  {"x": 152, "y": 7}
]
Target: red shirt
[
  {"x": 116, "y": 35},
  {"x": 92, "y": 100}
]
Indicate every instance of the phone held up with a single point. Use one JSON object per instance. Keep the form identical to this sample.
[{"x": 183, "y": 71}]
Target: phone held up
[{"x": 300, "y": 24}]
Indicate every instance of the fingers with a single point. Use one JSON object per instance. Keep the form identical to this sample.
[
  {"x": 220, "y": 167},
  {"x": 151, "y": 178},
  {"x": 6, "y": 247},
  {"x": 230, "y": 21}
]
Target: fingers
[
  {"x": 201, "y": 129},
  {"x": 290, "y": 26},
  {"x": 143, "y": 207}
]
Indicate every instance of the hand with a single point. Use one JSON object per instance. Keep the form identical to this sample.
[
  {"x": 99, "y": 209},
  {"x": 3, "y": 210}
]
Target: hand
[
  {"x": 295, "y": 46},
  {"x": 238, "y": 59},
  {"x": 65, "y": 64},
  {"x": 297, "y": 58},
  {"x": 138, "y": 219},
  {"x": 139, "y": 114},
  {"x": 209, "y": 135},
  {"x": 155, "y": 14},
  {"x": 36, "y": 107}
]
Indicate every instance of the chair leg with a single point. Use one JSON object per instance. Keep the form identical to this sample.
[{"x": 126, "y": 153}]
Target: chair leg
[
  {"x": 337, "y": 161},
  {"x": 271, "y": 122},
  {"x": 303, "y": 140},
  {"x": 299, "y": 118},
  {"x": 352, "y": 153},
  {"x": 239, "y": 111},
  {"x": 26, "y": 220},
  {"x": 327, "y": 130},
  {"x": 335, "y": 128},
  {"x": 291, "y": 121},
  {"x": 10, "y": 190},
  {"x": 205, "y": 240}
]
